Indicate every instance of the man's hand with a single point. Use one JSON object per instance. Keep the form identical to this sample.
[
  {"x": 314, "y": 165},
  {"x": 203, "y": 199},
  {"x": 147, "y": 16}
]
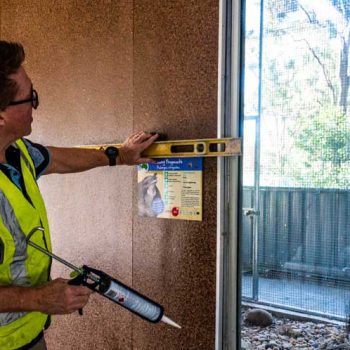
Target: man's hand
[
  {"x": 73, "y": 160},
  {"x": 134, "y": 145},
  {"x": 58, "y": 297}
]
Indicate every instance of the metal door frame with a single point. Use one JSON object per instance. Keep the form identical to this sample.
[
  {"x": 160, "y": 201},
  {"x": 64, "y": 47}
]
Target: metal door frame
[{"x": 228, "y": 173}]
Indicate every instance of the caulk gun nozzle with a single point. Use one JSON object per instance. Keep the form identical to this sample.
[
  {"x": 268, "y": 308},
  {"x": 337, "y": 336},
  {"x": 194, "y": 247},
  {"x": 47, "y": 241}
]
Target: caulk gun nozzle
[{"x": 167, "y": 320}]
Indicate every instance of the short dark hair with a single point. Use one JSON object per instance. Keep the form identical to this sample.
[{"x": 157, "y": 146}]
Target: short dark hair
[{"x": 11, "y": 57}]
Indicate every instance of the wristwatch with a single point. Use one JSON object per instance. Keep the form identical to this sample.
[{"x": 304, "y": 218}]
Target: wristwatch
[{"x": 112, "y": 154}]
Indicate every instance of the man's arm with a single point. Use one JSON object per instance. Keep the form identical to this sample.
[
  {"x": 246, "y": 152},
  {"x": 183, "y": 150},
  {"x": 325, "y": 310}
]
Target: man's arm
[
  {"x": 55, "y": 297},
  {"x": 72, "y": 160}
]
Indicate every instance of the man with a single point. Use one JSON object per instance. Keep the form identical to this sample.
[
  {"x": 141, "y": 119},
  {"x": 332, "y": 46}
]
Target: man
[{"x": 27, "y": 296}]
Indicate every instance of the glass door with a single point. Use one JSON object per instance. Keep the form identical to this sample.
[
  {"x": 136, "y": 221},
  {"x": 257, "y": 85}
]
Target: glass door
[{"x": 295, "y": 239}]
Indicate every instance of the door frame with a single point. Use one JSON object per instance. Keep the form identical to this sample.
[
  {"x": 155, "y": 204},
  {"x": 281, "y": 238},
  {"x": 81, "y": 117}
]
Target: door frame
[{"x": 228, "y": 293}]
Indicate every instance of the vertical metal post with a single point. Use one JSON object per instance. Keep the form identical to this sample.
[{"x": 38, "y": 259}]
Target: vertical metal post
[
  {"x": 227, "y": 295},
  {"x": 257, "y": 163},
  {"x": 224, "y": 80}
]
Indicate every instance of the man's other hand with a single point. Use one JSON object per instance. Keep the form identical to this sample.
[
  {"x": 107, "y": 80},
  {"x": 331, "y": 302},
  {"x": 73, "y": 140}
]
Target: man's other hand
[
  {"x": 58, "y": 297},
  {"x": 131, "y": 151}
]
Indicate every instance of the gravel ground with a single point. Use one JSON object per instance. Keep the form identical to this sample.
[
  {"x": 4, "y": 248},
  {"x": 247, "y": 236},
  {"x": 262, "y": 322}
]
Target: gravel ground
[{"x": 285, "y": 334}]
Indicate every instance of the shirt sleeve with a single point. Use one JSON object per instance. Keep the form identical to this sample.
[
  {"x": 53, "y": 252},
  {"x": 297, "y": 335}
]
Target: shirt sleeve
[{"x": 40, "y": 156}]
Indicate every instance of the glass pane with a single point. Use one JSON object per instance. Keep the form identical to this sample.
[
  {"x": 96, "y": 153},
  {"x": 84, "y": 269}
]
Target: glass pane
[
  {"x": 248, "y": 203},
  {"x": 297, "y": 156},
  {"x": 251, "y": 73}
]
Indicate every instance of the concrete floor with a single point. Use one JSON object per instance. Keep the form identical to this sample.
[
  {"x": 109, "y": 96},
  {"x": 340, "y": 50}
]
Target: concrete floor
[{"x": 306, "y": 295}]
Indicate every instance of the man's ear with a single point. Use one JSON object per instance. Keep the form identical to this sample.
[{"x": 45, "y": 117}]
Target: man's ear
[{"x": 2, "y": 119}]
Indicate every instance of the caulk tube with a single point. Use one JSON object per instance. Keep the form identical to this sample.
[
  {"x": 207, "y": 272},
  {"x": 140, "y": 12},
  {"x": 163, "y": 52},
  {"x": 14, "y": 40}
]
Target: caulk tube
[
  {"x": 130, "y": 299},
  {"x": 111, "y": 288}
]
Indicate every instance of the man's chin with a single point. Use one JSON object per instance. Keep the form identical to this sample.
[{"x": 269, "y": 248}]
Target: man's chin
[{"x": 28, "y": 132}]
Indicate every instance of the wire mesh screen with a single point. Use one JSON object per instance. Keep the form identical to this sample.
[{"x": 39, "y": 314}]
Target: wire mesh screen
[{"x": 296, "y": 176}]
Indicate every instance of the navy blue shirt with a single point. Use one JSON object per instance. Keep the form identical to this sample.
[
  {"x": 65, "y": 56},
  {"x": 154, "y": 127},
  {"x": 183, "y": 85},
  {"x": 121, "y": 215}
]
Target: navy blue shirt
[{"x": 40, "y": 156}]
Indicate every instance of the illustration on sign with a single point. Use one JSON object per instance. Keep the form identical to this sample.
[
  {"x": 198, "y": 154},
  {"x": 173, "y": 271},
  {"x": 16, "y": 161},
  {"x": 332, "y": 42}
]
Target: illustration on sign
[{"x": 171, "y": 188}]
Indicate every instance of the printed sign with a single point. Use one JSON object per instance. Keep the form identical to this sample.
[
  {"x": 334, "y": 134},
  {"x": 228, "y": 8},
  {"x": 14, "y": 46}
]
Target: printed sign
[{"x": 171, "y": 189}]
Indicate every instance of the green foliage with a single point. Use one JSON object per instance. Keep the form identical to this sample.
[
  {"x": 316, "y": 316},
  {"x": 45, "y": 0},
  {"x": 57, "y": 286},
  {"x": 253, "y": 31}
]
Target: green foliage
[{"x": 324, "y": 138}]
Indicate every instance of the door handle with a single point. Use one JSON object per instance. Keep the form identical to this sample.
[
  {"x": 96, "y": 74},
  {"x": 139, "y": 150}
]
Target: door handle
[{"x": 250, "y": 212}]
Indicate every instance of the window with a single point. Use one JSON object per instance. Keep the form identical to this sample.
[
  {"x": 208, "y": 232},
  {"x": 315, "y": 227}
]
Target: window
[{"x": 296, "y": 166}]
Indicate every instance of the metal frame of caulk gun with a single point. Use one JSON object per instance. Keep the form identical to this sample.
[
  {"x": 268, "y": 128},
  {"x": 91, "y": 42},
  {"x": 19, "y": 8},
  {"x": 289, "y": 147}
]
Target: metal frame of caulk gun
[{"x": 102, "y": 283}]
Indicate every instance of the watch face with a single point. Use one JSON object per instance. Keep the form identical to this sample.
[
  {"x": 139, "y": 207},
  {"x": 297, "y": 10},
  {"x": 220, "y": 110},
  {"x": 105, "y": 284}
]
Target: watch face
[
  {"x": 112, "y": 154},
  {"x": 112, "y": 151}
]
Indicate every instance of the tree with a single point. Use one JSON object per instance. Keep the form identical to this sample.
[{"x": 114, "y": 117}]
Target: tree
[
  {"x": 326, "y": 141},
  {"x": 333, "y": 15},
  {"x": 306, "y": 84}
]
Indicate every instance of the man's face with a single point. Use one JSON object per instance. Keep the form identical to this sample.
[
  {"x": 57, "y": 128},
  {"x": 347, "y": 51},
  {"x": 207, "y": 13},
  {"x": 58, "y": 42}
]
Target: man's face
[{"x": 16, "y": 120}]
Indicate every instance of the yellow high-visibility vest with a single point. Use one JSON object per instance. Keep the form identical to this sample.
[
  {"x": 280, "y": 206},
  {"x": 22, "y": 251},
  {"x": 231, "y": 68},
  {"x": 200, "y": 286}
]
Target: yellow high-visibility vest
[{"x": 21, "y": 264}]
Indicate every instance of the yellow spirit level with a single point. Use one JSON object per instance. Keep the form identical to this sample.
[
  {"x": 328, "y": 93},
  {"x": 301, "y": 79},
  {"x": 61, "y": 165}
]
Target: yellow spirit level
[{"x": 187, "y": 148}]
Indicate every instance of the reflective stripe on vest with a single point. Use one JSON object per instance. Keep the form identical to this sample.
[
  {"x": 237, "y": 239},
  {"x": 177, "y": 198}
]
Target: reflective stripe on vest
[
  {"x": 17, "y": 267},
  {"x": 22, "y": 265},
  {"x": 23, "y": 157}
]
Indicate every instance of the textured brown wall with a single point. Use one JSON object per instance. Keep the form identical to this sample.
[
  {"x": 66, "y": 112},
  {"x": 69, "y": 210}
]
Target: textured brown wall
[
  {"x": 175, "y": 89},
  {"x": 103, "y": 69}
]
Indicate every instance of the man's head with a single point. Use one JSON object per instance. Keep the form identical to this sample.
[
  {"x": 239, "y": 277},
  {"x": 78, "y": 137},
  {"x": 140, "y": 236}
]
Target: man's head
[
  {"x": 16, "y": 93},
  {"x": 11, "y": 58}
]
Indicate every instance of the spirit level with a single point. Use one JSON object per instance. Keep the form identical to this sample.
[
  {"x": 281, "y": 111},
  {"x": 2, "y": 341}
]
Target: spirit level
[{"x": 187, "y": 148}]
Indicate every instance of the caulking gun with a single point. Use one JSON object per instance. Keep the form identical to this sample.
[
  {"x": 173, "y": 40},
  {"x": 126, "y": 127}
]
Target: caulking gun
[{"x": 111, "y": 288}]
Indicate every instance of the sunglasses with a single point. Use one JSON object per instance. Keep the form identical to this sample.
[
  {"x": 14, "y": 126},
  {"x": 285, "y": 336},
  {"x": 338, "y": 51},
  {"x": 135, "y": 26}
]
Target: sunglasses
[{"x": 34, "y": 100}]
